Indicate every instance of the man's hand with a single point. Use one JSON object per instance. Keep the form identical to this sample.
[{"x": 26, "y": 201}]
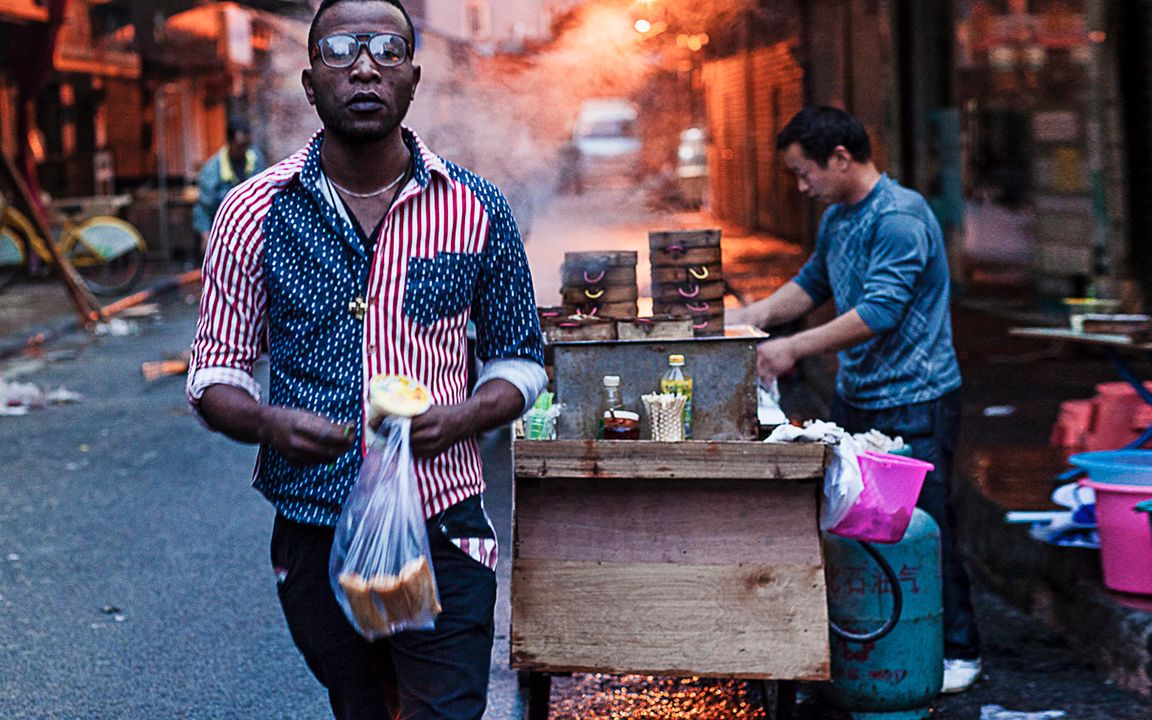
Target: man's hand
[
  {"x": 495, "y": 403},
  {"x": 299, "y": 435},
  {"x": 305, "y": 437},
  {"x": 438, "y": 429},
  {"x": 775, "y": 358}
]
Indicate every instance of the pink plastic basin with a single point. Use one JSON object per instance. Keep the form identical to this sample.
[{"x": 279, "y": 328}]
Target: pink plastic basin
[
  {"x": 891, "y": 487},
  {"x": 1125, "y": 536}
]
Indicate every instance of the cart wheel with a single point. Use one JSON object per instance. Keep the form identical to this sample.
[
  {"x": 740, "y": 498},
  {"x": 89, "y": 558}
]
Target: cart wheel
[
  {"x": 779, "y": 697},
  {"x": 537, "y": 692}
]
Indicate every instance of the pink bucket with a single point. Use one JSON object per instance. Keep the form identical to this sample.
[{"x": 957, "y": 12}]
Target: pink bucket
[
  {"x": 891, "y": 487},
  {"x": 1125, "y": 536}
]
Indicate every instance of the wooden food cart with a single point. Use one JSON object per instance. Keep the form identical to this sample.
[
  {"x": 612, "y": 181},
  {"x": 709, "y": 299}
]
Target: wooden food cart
[{"x": 697, "y": 558}]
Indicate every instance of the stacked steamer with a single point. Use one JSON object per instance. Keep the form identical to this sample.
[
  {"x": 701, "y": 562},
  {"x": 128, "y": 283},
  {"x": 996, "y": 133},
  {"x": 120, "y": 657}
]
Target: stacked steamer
[
  {"x": 688, "y": 279},
  {"x": 601, "y": 284}
]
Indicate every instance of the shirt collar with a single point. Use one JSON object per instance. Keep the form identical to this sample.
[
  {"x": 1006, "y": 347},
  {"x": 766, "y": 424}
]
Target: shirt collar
[
  {"x": 424, "y": 161},
  {"x": 880, "y": 185}
]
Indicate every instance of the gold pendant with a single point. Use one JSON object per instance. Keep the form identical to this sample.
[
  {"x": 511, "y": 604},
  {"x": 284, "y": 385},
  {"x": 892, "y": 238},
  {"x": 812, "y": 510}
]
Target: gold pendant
[{"x": 358, "y": 308}]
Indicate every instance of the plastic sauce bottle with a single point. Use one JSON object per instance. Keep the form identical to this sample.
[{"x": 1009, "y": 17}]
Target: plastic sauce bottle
[
  {"x": 616, "y": 423},
  {"x": 676, "y": 382}
]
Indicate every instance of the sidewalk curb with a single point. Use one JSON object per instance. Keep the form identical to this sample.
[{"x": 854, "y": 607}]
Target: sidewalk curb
[{"x": 19, "y": 343}]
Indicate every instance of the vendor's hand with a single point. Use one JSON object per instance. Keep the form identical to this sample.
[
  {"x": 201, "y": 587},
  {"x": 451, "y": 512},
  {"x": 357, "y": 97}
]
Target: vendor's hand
[
  {"x": 438, "y": 429},
  {"x": 773, "y": 359},
  {"x": 305, "y": 437}
]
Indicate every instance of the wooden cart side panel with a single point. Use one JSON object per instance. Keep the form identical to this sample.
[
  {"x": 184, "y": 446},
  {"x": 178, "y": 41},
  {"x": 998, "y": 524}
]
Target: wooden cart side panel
[
  {"x": 687, "y": 460},
  {"x": 660, "y": 619},
  {"x": 721, "y": 522}
]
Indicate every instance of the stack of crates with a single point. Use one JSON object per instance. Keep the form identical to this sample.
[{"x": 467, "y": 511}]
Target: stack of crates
[
  {"x": 688, "y": 278},
  {"x": 601, "y": 284}
]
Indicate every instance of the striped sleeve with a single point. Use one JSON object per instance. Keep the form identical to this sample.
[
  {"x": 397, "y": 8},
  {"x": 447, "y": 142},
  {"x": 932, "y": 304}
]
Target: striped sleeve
[{"x": 231, "y": 330}]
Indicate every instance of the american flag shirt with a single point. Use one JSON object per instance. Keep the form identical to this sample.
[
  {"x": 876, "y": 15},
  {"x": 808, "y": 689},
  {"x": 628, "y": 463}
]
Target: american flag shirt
[{"x": 283, "y": 265}]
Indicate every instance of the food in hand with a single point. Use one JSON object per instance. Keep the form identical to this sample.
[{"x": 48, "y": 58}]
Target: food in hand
[
  {"x": 398, "y": 395},
  {"x": 382, "y": 601}
]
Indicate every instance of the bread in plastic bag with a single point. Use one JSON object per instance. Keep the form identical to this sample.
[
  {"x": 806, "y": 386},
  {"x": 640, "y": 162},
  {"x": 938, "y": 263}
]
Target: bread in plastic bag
[{"x": 381, "y": 565}]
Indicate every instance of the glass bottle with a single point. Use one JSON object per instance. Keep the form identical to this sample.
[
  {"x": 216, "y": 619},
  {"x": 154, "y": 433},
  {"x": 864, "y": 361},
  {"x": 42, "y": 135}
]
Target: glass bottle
[
  {"x": 676, "y": 382},
  {"x": 616, "y": 423},
  {"x": 610, "y": 402}
]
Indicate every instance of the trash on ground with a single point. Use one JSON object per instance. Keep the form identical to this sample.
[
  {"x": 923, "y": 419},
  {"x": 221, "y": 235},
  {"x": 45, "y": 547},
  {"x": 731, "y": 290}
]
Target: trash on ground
[
  {"x": 156, "y": 369},
  {"x": 62, "y": 396},
  {"x": 997, "y": 712},
  {"x": 1064, "y": 530},
  {"x": 117, "y": 327},
  {"x": 999, "y": 410},
  {"x": 18, "y": 398},
  {"x": 145, "y": 310},
  {"x": 1025, "y": 517}
]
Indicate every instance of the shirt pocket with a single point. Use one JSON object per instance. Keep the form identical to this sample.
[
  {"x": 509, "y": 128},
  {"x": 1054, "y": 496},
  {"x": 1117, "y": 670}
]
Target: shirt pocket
[{"x": 440, "y": 287}]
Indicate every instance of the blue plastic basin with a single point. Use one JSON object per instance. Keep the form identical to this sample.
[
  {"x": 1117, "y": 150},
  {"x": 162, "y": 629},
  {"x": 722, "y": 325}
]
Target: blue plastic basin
[{"x": 1116, "y": 467}]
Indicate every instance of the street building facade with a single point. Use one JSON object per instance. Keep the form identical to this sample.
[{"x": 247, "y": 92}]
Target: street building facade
[{"x": 1025, "y": 123}]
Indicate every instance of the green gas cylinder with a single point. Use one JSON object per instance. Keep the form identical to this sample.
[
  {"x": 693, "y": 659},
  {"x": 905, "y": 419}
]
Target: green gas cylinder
[{"x": 897, "y": 676}]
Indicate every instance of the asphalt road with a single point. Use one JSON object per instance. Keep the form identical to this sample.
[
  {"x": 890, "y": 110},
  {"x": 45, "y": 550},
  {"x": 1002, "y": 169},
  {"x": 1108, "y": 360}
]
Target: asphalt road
[
  {"x": 134, "y": 580},
  {"x": 134, "y": 574}
]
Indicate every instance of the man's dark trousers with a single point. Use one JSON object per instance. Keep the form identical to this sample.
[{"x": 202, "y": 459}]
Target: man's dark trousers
[
  {"x": 931, "y": 429},
  {"x": 434, "y": 675}
]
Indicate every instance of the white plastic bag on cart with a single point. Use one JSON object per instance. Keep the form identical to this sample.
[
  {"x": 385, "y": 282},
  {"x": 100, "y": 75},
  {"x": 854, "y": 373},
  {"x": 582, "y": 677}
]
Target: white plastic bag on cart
[
  {"x": 843, "y": 483},
  {"x": 381, "y": 564}
]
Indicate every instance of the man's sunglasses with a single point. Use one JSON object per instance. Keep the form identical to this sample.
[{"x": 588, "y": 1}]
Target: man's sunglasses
[{"x": 342, "y": 49}]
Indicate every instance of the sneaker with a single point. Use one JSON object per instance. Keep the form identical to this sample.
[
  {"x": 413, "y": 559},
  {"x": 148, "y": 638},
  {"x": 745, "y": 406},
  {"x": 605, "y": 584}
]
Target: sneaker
[{"x": 960, "y": 675}]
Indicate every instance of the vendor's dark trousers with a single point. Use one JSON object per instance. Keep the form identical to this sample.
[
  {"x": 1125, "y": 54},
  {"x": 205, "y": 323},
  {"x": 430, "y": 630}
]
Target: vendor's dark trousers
[
  {"x": 931, "y": 429},
  {"x": 440, "y": 674}
]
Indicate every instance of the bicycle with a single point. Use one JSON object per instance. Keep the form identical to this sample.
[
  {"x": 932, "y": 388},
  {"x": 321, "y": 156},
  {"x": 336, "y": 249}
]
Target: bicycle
[{"x": 106, "y": 251}]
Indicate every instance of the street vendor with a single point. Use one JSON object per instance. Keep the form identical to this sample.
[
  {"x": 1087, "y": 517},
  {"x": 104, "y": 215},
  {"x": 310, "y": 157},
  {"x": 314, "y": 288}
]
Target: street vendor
[
  {"x": 365, "y": 253},
  {"x": 880, "y": 257}
]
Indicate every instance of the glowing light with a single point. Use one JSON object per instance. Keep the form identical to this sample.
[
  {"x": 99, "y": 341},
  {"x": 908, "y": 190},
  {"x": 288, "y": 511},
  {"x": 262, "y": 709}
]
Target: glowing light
[
  {"x": 1097, "y": 36},
  {"x": 642, "y": 26}
]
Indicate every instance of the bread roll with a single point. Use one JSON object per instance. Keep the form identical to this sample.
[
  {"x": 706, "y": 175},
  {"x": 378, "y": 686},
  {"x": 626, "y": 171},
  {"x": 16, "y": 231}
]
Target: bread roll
[
  {"x": 419, "y": 586},
  {"x": 382, "y": 601},
  {"x": 398, "y": 395},
  {"x": 364, "y": 609},
  {"x": 387, "y": 591}
]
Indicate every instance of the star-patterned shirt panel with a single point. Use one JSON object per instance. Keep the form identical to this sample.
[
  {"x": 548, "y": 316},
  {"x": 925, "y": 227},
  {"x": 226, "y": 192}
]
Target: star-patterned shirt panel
[{"x": 283, "y": 267}]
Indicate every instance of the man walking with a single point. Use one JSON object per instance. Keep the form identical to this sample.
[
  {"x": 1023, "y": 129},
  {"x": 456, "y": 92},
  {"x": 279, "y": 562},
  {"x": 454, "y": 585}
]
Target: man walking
[
  {"x": 228, "y": 167},
  {"x": 365, "y": 253},
  {"x": 880, "y": 258}
]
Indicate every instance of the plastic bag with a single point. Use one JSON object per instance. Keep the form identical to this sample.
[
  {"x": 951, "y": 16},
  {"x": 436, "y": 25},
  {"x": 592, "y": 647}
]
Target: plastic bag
[
  {"x": 381, "y": 564},
  {"x": 884, "y": 508},
  {"x": 843, "y": 483}
]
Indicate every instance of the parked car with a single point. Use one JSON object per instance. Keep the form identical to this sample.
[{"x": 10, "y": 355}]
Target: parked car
[
  {"x": 692, "y": 167},
  {"x": 692, "y": 154},
  {"x": 605, "y": 143}
]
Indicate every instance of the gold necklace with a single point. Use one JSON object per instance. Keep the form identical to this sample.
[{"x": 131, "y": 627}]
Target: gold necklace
[{"x": 374, "y": 193}]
